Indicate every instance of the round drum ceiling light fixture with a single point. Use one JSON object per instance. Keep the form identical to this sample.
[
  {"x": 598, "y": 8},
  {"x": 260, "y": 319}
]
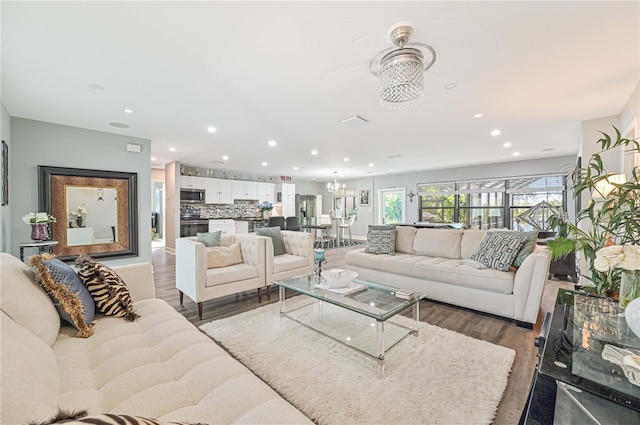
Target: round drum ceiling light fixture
[{"x": 401, "y": 68}]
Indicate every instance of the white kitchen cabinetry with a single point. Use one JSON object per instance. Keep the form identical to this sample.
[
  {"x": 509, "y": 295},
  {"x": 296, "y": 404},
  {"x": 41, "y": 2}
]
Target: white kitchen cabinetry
[
  {"x": 267, "y": 192},
  {"x": 245, "y": 190},
  {"x": 191, "y": 182},
  {"x": 228, "y": 227},
  {"x": 218, "y": 191},
  {"x": 288, "y": 199},
  {"x": 242, "y": 226}
]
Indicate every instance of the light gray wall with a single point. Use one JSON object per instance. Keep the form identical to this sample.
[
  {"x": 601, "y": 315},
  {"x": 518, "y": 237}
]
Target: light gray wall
[
  {"x": 5, "y": 211},
  {"x": 40, "y": 143}
]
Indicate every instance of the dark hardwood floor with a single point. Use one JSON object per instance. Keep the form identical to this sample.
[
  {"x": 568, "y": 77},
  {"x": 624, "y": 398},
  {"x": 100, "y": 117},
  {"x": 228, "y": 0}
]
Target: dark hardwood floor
[{"x": 477, "y": 325}]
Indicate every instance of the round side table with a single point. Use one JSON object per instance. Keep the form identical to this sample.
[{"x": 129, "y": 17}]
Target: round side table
[{"x": 42, "y": 246}]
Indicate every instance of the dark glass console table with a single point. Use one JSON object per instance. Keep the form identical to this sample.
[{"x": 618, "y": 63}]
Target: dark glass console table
[{"x": 573, "y": 384}]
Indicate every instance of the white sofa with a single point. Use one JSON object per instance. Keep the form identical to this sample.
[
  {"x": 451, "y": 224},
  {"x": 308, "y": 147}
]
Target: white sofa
[
  {"x": 297, "y": 260},
  {"x": 438, "y": 273},
  {"x": 159, "y": 366},
  {"x": 200, "y": 283}
]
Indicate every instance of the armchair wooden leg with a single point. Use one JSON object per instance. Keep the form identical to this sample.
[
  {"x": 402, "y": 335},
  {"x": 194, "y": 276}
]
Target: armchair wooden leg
[
  {"x": 181, "y": 297},
  {"x": 259, "y": 295},
  {"x": 268, "y": 292},
  {"x": 200, "y": 310}
]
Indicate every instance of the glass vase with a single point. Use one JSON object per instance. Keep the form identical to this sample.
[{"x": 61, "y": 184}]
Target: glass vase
[
  {"x": 40, "y": 232},
  {"x": 629, "y": 287}
]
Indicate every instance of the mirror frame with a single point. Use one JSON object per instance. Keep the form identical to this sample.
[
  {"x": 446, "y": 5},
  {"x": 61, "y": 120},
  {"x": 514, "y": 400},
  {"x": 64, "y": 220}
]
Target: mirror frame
[{"x": 52, "y": 199}]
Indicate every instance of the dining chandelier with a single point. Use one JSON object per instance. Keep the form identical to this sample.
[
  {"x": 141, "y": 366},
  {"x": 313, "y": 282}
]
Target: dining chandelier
[
  {"x": 335, "y": 187},
  {"x": 401, "y": 68}
]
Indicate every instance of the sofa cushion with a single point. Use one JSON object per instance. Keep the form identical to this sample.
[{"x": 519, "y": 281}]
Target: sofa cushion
[
  {"x": 210, "y": 239},
  {"x": 25, "y": 302},
  {"x": 444, "y": 243},
  {"x": 233, "y": 273},
  {"x": 223, "y": 256},
  {"x": 381, "y": 240},
  {"x": 276, "y": 238},
  {"x": 71, "y": 298},
  {"x": 527, "y": 247},
  {"x": 109, "y": 291},
  {"x": 30, "y": 376},
  {"x": 470, "y": 241},
  {"x": 498, "y": 250},
  {"x": 404, "y": 238},
  {"x": 287, "y": 262}
]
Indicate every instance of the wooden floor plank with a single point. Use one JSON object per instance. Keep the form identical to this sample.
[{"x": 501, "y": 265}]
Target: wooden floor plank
[{"x": 477, "y": 325}]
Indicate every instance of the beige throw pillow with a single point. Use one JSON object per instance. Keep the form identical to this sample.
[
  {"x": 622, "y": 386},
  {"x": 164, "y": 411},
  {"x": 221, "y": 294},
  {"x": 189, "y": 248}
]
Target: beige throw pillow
[
  {"x": 404, "y": 238},
  {"x": 223, "y": 256}
]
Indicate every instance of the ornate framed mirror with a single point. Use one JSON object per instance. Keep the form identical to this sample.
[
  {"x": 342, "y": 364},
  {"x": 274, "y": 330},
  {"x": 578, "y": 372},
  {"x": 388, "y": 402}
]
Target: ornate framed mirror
[{"x": 96, "y": 211}]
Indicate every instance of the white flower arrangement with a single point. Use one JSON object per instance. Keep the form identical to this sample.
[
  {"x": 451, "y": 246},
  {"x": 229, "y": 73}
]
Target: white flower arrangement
[
  {"x": 38, "y": 218},
  {"x": 625, "y": 257},
  {"x": 80, "y": 211}
]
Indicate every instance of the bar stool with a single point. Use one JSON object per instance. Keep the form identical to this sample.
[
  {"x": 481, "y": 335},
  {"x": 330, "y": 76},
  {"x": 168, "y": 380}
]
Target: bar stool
[{"x": 347, "y": 226}]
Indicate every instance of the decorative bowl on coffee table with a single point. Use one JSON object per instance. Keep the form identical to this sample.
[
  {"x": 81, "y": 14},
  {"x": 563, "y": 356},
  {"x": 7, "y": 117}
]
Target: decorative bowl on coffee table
[{"x": 339, "y": 278}]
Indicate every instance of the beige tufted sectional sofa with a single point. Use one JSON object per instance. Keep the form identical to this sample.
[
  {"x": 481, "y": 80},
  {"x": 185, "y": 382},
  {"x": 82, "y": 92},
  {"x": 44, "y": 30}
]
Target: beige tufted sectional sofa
[{"x": 159, "y": 366}]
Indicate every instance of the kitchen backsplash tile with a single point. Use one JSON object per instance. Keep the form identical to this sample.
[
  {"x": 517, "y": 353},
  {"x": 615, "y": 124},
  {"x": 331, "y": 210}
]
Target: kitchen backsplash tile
[{"x": 240, "y": 208}]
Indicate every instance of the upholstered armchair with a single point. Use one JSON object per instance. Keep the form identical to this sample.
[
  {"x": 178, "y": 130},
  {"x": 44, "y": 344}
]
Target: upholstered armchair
[
  {"x": 297, "y": 259},
  {"x": 201, "y": 279}
]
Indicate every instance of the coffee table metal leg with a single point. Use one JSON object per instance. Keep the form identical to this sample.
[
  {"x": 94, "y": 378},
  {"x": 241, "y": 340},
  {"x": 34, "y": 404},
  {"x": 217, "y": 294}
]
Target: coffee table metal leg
[
  {"x": 416, "y": 318},
  {"x": 281, "y": 302},
  {"x": 380, "y": 336}
]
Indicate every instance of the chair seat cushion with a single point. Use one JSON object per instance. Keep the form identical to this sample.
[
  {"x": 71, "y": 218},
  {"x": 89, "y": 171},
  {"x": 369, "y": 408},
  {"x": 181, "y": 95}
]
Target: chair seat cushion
[
  {"x": 286, "y": 262},
  {"x": 233, "y": 273}
]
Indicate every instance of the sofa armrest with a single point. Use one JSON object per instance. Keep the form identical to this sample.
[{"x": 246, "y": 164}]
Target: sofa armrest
[
  {"x": 254, "y": 250},
  {"x": 529, "y": 283},
  {"x": 139, "y": 280},
  {"x": 191, "y": 267},
  {"x": 298, "y": 243}
]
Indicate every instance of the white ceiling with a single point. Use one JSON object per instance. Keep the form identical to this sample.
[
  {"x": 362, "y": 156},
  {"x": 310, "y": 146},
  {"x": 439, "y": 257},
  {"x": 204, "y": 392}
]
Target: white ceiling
[{"x": 290, "y": 71}]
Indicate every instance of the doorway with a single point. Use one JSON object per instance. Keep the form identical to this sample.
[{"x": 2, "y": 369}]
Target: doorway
[
  {"x": 157, "y": 214},
  {"x": 392, "y": 207}
]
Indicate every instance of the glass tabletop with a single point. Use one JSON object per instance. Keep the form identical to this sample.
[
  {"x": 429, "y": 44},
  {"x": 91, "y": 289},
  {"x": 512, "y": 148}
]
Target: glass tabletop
[{"x": 377, "y": 301}]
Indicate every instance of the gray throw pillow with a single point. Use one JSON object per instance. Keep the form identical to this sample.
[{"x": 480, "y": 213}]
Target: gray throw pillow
[
  {"x": 210, "y": 239},
  {"x": 497, "y": 250},
  {"x": 381, "y": 240},
  {"x": 527, "y": 247},
  {"x": 276, "y": 238}
]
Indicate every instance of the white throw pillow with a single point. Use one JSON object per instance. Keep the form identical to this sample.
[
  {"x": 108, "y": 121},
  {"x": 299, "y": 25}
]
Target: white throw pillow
[
  {"x": 442, "y": 243},
  {"x": 223, "y": 256},
  {"x": 404, "y": 238}
]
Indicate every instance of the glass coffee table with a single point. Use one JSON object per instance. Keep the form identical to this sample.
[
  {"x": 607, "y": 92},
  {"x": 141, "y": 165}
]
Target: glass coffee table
[{"x": 361, "y": 321}]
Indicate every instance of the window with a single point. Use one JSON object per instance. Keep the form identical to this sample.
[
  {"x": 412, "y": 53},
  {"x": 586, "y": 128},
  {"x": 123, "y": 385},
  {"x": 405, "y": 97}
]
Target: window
[{"x": 488, "y": 204}]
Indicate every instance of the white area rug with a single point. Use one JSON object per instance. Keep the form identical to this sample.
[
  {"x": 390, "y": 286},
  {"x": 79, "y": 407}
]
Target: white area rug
[{"x": 438, "y": 377}]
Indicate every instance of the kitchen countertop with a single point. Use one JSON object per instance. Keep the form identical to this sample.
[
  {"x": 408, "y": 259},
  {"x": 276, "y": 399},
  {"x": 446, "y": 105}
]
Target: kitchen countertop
[{"x": 235, "y": 218}]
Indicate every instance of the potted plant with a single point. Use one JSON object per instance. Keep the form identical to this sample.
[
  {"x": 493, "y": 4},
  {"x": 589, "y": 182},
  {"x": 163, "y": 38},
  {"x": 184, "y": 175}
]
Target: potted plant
[{"x": 612, "y": 216}]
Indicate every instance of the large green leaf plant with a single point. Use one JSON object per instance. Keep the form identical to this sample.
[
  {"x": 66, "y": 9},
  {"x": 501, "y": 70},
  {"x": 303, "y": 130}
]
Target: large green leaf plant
[{"x": 612, "y": 218}]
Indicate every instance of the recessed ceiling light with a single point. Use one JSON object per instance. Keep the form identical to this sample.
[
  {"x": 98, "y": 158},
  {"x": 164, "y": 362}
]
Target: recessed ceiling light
[
  {"x": 477, "y": 115},
  {"x": 118, "y": 125},
  {"x": 507, "y": 144},
  {"x": 390, "y": 169},
  {"x": 129, "y": 111},
  {"x": 264, "y": 164},
  {"x": 272, "y": 142},
  {"x": 172, "y": 149},
  {"x": 225, "y": 157},
  {"x": 548, "y": 149},
  {"x": 211, "y": 129},
  {"x": 346, "y": 159},
  {"x": 96, "y": 86},
  {"x": 295, "y": 168},
  {"x": 495, "y": 133},
  {"x": 516, "y": 154},
  {"x": 371, "y": 164},
  {"x": 451, "y": 86},
  {"x": 153, "y": 158},
  {"x": 314, "y": 152}
]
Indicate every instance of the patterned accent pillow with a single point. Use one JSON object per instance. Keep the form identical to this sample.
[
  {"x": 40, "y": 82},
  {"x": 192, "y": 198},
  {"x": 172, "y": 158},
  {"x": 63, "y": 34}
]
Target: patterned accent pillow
[
  {"x": 381, "y": 240},
  {"x": 71, "y": 298},
  {"x": 276, "y": 238},
  {"x": 527, "y": 247},
  {"x": 497, "y": 250},
  {"x": 80, "y": 417},
  {"x": 108, "y": 290}
]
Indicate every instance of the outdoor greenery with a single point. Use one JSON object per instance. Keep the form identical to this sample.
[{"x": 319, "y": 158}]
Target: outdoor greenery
[{"x": 611, "y": 218}]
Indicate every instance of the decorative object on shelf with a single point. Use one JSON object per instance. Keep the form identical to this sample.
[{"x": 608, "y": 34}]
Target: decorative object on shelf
[
  {"x": 265, "y": 208},
  {"x": 401, "y": 68},
  {"x": 39, "y": 225},
  {"x": 80, "y": 212},
  {"x": 538, "y": 217},
  {"x": 182, "y": 170},
  {"x": 335, "y": 187},
  {"x": 319, "y": 259},
  {"x": 632, "y": 316},
  {"x": 611, "y": 215}
]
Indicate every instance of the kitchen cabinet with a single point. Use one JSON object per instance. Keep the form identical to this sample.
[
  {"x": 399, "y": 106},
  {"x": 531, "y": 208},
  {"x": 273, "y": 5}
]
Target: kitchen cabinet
[
  {"x": 191, "y": 182},
  {"x": 245, "y": 190},
  {"x": 288, "y": 199},
  {"x": 218, "y": 191},
  {"x": 227, "y": 226},
  {"x": 267, "y": 192}
]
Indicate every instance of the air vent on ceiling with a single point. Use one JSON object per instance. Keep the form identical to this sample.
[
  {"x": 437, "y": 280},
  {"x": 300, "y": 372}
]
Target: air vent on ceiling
[
  {"x": 217, "y": 162},
  {"x": 355, "y": 121},
  {"x": 394, "y": 156}
]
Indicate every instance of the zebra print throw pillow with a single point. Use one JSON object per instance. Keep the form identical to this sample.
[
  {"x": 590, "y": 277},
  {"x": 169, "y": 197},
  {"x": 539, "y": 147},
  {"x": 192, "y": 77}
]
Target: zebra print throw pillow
[
  {"x": 80, "y": 417},
  {"x": 108, "y": 290}
]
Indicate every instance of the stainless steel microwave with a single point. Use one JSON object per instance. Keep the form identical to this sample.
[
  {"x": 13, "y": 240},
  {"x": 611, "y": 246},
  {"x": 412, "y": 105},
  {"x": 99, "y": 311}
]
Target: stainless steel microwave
[{"x": 192, "y": 196}]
